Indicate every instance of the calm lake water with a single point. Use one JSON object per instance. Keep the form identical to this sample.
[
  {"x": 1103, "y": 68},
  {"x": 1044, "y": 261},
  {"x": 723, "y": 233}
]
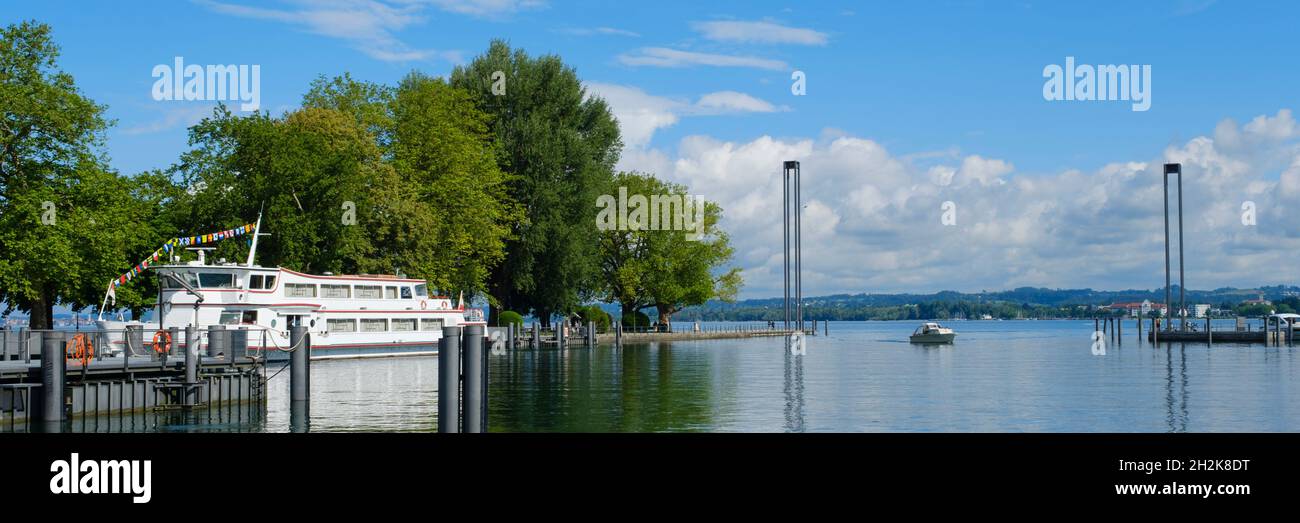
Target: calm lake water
[{"x": 1035, "y": 376}]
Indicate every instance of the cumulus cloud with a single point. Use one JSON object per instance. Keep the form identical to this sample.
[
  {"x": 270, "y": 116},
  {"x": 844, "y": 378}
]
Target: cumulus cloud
[
  {"x": 759, "y": 32},
  {"x": 872, "y": 219}
]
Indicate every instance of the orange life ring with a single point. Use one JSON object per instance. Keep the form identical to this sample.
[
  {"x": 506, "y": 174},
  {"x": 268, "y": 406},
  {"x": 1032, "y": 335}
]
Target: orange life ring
[
  {"x": 79, "y": 348},
  {"x": 424, "y": 304},
  {"x": 165, "y": 347}
]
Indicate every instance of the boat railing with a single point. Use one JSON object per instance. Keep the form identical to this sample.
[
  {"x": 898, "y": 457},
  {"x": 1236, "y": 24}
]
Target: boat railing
[{"x": 140, "y": 343}]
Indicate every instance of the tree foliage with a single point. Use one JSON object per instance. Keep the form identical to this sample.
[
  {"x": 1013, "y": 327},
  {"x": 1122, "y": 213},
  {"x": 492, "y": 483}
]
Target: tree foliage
[
  {"x": 665, "y": 268},
  {"x": 560, "y": 145},
  {"x": 68, "y": 224}
]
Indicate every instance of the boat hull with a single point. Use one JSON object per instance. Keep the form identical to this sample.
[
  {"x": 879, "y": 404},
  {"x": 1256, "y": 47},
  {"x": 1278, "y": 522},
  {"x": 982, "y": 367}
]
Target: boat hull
[{"x": 933, "y": 338}]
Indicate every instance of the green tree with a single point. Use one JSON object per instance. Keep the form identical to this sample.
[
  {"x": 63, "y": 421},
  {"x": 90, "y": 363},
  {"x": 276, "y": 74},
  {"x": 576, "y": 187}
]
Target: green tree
[
  {"x": 561, "y": 146},
  {"x": 307, "y": 170},
  {"x": 659, "y": 266},
  {"x": 68, "y": 224}
]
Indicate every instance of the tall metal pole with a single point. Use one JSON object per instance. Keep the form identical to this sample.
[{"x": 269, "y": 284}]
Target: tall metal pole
[
  {"x": 1168, "y": 167},
  {"x": 785, "y": 239},
  {"x": 798, "y": 249},
  {"x": 1182, "y": 283}
]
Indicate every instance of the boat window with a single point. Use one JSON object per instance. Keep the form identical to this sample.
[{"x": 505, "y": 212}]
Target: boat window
[
  {"x": 406, "y": 293},
  {"x": 336, "y": 291},
  {"x": 249, "y": 317},
  {"x": 261, "y": 281},
  {"x": 422, "y": 290},
  {"x": 169, "y": 283},
  {"x": 229, "y": 318},
  {"x": 341, "y": 325},
  {"x": 431, "y": 324},
  {"x": 216, "y": 280},
  {"x": 390, "y": 293},
  {"x": 300, "y": 290},
  {"x": 374, "y": 325},
  {"x": 403, "y": 324},
  {"x": 369, "y": 292}
]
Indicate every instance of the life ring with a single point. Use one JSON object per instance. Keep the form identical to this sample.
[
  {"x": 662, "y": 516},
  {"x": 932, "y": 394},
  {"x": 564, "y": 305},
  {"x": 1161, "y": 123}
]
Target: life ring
[
  {"x": 424, "y": 304},
  {"x": 79, "y": 348},
  {"x": 166, "y": 346}
]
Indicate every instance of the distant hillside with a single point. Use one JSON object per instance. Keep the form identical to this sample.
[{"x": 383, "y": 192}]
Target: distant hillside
[{"x": 1020, "y": 302}]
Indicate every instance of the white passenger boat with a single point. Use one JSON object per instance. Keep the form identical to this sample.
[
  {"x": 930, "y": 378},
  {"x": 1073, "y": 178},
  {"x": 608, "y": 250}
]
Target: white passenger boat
[
  {"x": 931, "y": 332},
  {"x": 347, "y": 316}
]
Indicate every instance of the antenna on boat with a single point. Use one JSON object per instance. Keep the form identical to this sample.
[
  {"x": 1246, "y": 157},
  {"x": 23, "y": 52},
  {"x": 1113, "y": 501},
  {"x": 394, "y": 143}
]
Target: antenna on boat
[{"x": 257, "y": 231}]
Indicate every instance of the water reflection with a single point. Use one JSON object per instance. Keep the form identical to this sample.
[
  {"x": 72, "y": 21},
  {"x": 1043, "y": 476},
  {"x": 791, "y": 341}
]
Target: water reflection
[
  {"x": 1176, "y": 398},
  {"x": 794, "y": 404}
]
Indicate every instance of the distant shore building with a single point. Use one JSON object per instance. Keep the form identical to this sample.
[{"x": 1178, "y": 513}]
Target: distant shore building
[
  {"x": 1200, "y": 310},
  {"x": 1136, "y": 309},
  {"x": 1257, "y": 301}
]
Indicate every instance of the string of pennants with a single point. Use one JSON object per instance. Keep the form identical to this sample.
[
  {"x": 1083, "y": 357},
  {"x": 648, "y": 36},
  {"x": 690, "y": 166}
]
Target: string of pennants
[{"x": 179, "y": 243}]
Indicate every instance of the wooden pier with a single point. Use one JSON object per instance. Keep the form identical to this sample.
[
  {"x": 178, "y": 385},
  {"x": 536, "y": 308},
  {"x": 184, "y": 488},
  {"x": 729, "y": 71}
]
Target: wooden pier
[{"x": 41, "y": 390}]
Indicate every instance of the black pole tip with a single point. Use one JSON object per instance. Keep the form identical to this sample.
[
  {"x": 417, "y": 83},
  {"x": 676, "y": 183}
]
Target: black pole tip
[
  {"x": 1171, "y": 168},
  {"x": 791, "y": 164}
]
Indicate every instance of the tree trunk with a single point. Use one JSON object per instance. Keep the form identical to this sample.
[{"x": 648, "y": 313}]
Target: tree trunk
[
  {"x": 665, "y": 316},
  {"x": 42, "y": 314}
]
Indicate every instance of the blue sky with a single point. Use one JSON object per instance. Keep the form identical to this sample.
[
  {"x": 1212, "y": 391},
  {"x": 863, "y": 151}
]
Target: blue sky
[{"x": 898, "y": 94}]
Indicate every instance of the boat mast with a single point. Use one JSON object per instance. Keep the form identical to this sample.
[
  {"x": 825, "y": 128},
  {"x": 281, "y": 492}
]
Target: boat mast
[{"x": 257, "y": 231}]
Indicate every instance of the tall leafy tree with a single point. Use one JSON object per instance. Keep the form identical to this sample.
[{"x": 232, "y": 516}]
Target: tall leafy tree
[
  {"x": 68, "y": 224},
  {"x": 654, "y": 263},
  {"x": 560, "y": 145},
  {"x": 449, "y": 217},
  {"x": 315, "y": 174}
]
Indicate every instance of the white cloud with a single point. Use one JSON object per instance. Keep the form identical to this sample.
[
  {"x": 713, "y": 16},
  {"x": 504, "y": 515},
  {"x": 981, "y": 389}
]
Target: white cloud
[
  {"x": 732, "y": 101},
  {"x": 872, "y": 220},
  {"x": 369, "y": 25},
  {"x": 664, "y": 57},
  {"x": 606, "y": 31},
  {"x": 174, "y": 115},
  {"x": 759, "y": 32},
  {"x": 641, "y": 114},
  {"x": 487, "y": 8}
]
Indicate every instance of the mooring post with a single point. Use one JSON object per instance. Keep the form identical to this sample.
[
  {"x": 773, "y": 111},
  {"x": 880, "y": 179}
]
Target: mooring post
[
  {"x": 1139, "y": 322},
  {"x": 559, "y": 334},
  {"x": 216, "y": 342},
  {"x": 299, "y": 364},
  {"x": 1119, "y": 330},
  {"x": 191, "y": 355},
  {"x": 449, "y": 380},
  {"x": 537, "y": 336},
  {"x": 24, "y": 348},
  {"x": 591, "y": 334},
  {"x": 510, "y": 335},
  {"x": 52, "y": 369},
  {"x": 4, "y": 344},
  {"x": 473, "y": 383},
  {"x": 1155, "y": 331},
  {"x": 1209, "y": 331}
]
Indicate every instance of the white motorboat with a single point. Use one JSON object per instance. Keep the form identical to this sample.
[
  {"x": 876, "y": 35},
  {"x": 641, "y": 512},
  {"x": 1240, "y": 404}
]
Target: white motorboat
[{"x": 931, "y": 332}]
